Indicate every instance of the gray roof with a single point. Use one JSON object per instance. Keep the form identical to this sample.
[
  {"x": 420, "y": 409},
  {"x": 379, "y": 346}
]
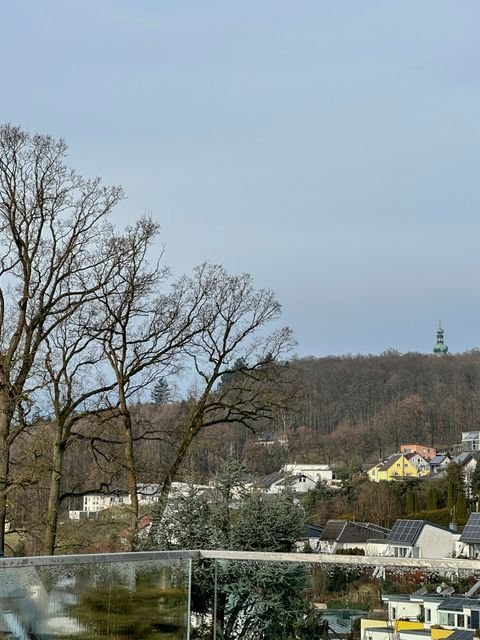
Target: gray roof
[
  {"x": 340, "y": 620},
  {"x": 438, "y": 459},
  {"x": 389, "y": 461},
  {"x": 292, "y": 478},
  {"x": 272, "y": 478},
  {"x": 462, "y": 457},
  {"x": 311, "y": 531},
  {"x": 351, "y": 532}
]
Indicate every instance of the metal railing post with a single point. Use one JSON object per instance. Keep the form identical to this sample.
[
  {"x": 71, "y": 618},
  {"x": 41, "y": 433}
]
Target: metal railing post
[
  {"x": 215, "y": 603},
  {"x": 189, "y": 606}
]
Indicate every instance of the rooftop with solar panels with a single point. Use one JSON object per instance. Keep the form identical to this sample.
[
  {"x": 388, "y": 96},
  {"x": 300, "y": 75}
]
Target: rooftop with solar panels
[{"x": 471, "y": 532}]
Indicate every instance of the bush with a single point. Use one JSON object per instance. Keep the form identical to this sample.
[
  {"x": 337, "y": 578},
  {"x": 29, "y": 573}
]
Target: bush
[{"x": 439, "y": 516}]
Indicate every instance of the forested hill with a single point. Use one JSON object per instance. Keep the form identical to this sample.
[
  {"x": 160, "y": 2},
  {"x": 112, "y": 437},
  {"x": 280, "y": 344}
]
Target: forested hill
[{"x": 391, "y": 398}]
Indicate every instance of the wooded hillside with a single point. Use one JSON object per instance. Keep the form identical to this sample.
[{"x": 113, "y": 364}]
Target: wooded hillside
[{"x": 354, "y": 409}]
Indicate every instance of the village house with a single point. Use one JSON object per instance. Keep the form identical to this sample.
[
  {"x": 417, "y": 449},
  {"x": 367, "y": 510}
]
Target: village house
[
  {"x": 341, "y": 535},
  {"x": 425, "y": 451},
  {"x": 419, "y": 462},
  {"x": 309, "y": 539},
  {"x": 439, "y": 463},
  {"x": 429, "y": 614},
  {"x": 279, "y": 480},
  {"x": 417, "y": 539},
  {"x": 299, "y": 478},
  {"x": 396, "y": 467},
  {"x": 469, "y": 542}
]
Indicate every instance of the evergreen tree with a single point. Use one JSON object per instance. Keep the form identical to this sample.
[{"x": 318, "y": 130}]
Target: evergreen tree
[
  {"x": 475, "y": 480},
  {"x": 234, "y": 372},
  {"x": 455, "y": 484},
  {"x": 416, "y": 507},
  {"x": 161, "y": 393},
  {"x": 461, "y": 512},
  {"x": 255, "y": 601},
  {"x": 451, "y": 497},
  {"x": 410, "y": 503}
]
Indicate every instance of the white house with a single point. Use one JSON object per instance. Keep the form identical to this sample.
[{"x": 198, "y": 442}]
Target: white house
[
  {"x": 420, "y": 539},
  {"x": 471, "y": 440},
  {"x": 442, "y": 607},
  {"x": 467, "y": 461},
  {"x": 94, "y": 502},
  {"x": 317, "y": 472},
  {"x": 279, "y": 480},
  {"x": 419, "y": 462}
]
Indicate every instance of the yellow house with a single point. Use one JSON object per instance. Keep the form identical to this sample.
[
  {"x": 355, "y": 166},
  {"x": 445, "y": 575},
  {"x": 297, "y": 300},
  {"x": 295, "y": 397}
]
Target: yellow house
[{"x": 396, "y": 467}]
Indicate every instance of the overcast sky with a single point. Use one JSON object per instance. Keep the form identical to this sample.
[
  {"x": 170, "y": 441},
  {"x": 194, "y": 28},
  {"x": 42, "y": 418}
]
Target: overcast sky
[{"x": 329, "y": 148}]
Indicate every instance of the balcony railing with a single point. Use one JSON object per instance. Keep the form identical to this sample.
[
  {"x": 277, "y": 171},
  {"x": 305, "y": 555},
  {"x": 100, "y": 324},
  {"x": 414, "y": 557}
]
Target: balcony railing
[{"x": 150, "y": 594}]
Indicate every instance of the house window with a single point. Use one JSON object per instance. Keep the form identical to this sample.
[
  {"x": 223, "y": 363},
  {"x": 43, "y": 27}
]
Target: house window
[
  {"x": 428, "y": 615},
  {"x": 394, "y": 613},
  {"x": 460, "y": 620},
  {"x": 446, "y": 618}
]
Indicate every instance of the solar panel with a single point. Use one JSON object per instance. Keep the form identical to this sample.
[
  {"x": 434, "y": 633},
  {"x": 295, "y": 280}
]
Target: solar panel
[
  {"x": 471, "y": 533},
  {"x": 461, "y": 634},
  {"x": 405, "y": 531},
  {"x": 456, "y": 604}
]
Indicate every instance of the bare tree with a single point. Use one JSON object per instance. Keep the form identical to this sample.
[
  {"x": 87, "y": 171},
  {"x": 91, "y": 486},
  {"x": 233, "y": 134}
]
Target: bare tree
[
  {"x": 53, "y": 260},
  {"x": 144, "y": 332},
  {"x": 232, "y": 343},
  {"x": 76, "y": 387}
]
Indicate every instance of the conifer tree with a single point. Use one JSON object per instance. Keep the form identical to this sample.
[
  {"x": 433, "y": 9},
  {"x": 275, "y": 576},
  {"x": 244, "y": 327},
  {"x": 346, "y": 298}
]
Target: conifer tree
[
  {"x": 461, "y": 511},
  {"x": 410, "y": 503}
]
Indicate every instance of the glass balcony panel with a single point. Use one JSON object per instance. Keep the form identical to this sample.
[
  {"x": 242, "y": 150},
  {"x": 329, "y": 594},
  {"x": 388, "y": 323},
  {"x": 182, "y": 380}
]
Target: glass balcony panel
[{"x": 132, "y": 599}]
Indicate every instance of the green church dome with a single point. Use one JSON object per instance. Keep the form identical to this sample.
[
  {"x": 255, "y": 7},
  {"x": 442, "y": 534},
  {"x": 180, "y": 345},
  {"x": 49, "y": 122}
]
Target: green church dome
[{"x": 440, "y": 348}]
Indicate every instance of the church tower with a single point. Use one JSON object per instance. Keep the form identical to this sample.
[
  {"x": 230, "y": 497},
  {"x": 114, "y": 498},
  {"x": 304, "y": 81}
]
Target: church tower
[{"x": 440, "y": 348}]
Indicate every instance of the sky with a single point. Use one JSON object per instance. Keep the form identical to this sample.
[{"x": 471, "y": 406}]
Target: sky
[{"x": 330, "y": 149}]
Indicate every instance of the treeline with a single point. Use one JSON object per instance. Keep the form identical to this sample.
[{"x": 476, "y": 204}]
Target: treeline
[{"x": 352, "y": 410}]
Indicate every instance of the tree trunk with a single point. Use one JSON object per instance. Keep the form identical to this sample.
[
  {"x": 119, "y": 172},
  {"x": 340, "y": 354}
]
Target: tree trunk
[
  {"x": 53, "y": 508},
  {"x": 131, "y": 477},
  {"x": 168, "y": 479},
  {"x": 5, "y": 422}
]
